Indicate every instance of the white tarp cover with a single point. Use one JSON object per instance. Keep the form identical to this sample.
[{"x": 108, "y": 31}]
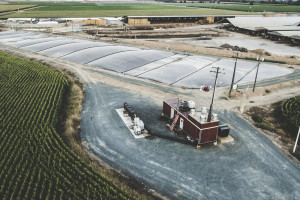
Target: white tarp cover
[
  {"x": 190, "y": 71},
  {"x": 253, "y": 23}
]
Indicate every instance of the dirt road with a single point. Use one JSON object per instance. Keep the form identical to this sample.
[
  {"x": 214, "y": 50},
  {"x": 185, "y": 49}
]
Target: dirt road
[
  {"x": 251, "y": 167},
  {"x": 18, "y": 10}
]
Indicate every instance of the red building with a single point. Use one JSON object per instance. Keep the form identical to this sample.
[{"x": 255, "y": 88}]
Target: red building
[{"x": 193, "y": 122}]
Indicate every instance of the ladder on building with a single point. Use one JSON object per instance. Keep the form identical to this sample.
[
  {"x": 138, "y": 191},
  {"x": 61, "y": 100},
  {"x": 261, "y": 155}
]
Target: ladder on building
[{"x": 174, "y": 122}]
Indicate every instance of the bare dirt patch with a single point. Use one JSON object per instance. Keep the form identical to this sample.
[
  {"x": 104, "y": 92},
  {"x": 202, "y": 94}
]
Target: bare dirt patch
[{"x": 270, "y": 121}]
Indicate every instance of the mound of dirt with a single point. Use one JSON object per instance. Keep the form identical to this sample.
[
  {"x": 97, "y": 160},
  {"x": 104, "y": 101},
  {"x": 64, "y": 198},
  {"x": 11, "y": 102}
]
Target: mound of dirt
[
  {"x": 235, "y": 48},
  {"x": 261, "y": 52},
  {"x": 226, "y": 46}
]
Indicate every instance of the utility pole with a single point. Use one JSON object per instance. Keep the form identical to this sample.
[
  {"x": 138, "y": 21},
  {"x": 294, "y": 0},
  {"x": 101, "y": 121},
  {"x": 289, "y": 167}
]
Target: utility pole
[
  {"x": 295, "y": 146},
  {"x": 233, "y": 76},
  {"x": 260, "y": 59},
  {"x": 72, "y": 27},
  {"x": 212, "y": 100}
]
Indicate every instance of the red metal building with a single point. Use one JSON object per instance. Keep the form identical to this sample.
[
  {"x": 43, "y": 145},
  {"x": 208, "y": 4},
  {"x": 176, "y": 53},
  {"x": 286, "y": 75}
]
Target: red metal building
[{"x": 193, "y": 123}]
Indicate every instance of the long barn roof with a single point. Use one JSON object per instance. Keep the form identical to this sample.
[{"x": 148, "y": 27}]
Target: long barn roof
[{"x": 256, "y": 23}]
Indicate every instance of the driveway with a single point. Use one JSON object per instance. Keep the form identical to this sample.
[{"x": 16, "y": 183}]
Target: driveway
[{"x": 251, "y": 167}]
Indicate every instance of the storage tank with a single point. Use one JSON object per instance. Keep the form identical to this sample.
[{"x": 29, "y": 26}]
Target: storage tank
[
  {"x": 191, "y": 104},
  {"x": 204, "y": 110},
  {"x": 192, "y": 111},
  {"x": 215, "y": 117},
  {"x": 137, "y": 130},
  {"x": 202, "y": 118},
  {"x": 139, "y": 123},
  {"x": 136, "y": 120}
]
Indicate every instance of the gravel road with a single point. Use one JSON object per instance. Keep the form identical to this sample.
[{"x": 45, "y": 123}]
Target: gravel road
[{"x": 250, "y": 168}]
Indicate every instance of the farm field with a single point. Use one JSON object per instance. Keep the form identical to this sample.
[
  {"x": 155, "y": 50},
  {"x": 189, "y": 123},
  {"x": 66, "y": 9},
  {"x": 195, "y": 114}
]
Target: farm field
[
  {"x": 116, "y": 10},
  {"x": 35, "y": 162},
  {"x": 5, "y": 7},
  {"x": 250, "y": 8}
]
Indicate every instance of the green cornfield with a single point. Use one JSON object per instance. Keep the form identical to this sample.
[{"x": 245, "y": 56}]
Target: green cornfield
[
  {"x": 291, "y": 111},
  {"x": 35, "y": 162}
]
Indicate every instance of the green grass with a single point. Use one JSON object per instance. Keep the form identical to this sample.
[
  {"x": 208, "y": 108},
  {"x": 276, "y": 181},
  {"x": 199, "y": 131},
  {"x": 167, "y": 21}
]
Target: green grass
[
  {"x": 43, "y": 3},
  {"x": 115, "y": 10},
  {"x": 5, "y": 7},
  {"x": 251, "y": 8},
  {"x": 35, "y": 162},
  {"x": 291, "y": 111},
  {"x": 257, "y": 118}
]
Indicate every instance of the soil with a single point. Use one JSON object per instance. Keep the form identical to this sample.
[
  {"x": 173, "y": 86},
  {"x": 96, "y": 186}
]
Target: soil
[{"x": 269, "y": 120}]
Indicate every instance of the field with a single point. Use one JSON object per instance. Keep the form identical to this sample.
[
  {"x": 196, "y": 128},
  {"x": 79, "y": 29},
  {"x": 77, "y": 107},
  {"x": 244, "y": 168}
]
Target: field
[
  {"x": 250, "y": 8},
  {"x": 35, "y": 162},
  {"x": 282, "y": 119},
  {"x": 285, "y": 115},
  {"x": 5, "y": 7},
  {"x": 115, "y": 10}
]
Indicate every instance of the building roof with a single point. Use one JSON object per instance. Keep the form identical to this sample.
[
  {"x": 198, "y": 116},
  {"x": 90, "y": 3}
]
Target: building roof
[
  {"x": 290, "y": 34},
  {"x": 257, "y": 23},
  {"x": 178, "y": 16},
  {"x": 283, "y": 28}
]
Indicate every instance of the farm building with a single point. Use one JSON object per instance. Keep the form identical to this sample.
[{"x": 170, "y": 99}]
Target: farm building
[
  {"x": 202, "y": 19},
  {"x": 292, "y": 37},
  {"x": 193, "y": 123},
  {"x": 276, "y": 28},
  {"x": 95, "y": 22},
  {"x": 138, "y": 21}
]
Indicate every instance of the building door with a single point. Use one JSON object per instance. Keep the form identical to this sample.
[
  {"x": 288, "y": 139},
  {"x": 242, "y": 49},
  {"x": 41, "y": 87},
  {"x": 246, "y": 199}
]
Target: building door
[
  {"x": 172, "y": 113},
  {"x": 181, "y": 123}
]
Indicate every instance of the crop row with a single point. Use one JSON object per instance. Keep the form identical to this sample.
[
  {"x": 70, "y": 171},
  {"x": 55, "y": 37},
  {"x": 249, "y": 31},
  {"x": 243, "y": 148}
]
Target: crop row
[
  {"x": 291, "y": 110},
  {"x": 35, "y": 163}
]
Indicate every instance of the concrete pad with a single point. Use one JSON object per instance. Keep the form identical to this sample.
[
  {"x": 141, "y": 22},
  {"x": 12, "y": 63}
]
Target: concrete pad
[
  {"x": 227, "y": 139},
  {"x": 128, "y": 122}
]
